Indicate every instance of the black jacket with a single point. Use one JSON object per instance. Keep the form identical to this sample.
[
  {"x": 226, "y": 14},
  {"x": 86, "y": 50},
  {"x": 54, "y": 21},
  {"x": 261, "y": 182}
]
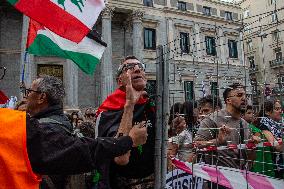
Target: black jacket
[{"x": 53, "y": 150}]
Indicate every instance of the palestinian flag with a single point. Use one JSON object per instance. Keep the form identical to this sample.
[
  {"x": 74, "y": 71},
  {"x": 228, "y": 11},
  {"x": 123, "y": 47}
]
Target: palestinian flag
[
  {"x": 108, "y": 120},
  {"x": 70, "y": 19},
  {"x": 86, "y": 54}
]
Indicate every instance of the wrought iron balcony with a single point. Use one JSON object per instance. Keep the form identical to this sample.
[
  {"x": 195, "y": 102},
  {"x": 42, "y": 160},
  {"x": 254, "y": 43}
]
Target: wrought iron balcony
[{"x": 276, "y": 63}]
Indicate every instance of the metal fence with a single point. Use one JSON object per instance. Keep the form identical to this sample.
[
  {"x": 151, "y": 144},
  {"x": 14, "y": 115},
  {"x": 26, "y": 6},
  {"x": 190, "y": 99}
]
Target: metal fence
[{"x": 170, "y": 69}]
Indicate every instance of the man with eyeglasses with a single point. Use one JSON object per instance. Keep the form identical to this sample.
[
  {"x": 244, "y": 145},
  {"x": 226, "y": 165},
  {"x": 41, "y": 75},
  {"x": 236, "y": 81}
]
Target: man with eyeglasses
[
  {"x": 225, "y": 127},
  {"x": 41, "y": 143},
  {"x": 134, "y": 169}
]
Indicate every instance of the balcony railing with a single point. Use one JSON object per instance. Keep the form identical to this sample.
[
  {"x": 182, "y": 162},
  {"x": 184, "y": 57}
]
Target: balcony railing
[{"x": 276, "y": 63}]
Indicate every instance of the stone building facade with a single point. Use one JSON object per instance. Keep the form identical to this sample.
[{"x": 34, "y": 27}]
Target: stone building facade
[
  {"x": 190, "y": 28},
  {"x": 263, "y": 41}
]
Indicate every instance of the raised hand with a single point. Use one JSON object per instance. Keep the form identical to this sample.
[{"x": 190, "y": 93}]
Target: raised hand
[
  {"x": 138, "y": 134},
  {"x": 224, "y": 131},
  {"x": 178, "y": 125},
  {"x": 132, "y": 95}
]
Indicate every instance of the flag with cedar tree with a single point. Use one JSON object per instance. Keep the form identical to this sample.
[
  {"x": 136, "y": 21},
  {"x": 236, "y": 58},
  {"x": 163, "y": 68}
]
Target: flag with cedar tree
[{"x": 70, "y": 19}]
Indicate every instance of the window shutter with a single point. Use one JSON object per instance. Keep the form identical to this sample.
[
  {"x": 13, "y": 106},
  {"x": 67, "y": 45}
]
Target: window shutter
[
  {"x": 199, "y": 8},
  {"x": 235, "y": 16},
  {"x": 189, "y": 6},
  {"x": 222, "y": 13},
  {"x": 213, "y": 11}
]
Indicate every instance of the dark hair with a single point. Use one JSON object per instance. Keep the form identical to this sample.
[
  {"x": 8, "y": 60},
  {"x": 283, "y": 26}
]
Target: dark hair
[
  {"x": 268, "y": 106},
  {"x": 214, "y": 101},
  {"x": 249, "y": 107},
  {"x": 176, "y": 108},
  {"x": 229, "y": 89},
  {"x": 188, "y": 111}
]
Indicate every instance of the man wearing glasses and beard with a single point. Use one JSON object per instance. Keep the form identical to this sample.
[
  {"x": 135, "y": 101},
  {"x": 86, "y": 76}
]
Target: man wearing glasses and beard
[
  {"x": 135, "y": 169},
  {"x": 224, "y": 127}
]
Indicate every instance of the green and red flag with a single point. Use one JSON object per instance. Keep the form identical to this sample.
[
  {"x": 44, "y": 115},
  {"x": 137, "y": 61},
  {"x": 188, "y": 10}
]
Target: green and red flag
[
  {"x": 70, "y": 19},
  {"x": 86, "y": 54}
]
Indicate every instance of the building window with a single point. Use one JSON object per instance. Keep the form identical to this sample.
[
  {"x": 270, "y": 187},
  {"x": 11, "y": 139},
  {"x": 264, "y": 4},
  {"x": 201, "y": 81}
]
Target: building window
[
  {"x": 182, "y": 6},
  {"x": 272, "y": 2},
  {"x": 214, "y": 89},
  {"x": 184, "y": 42},
  {"x": 188, "y": 90},
  {"x": 50, "y": 69},
  {"x": 210, "y": 46},
  {"x": 281, "y": 81},
  {"x": 251, "y": 62},
  {"x": 233, "y": 49},
  {"x": 148, "y": 3},
  {"x": 278, "y": 54},
  {"x": 274, "y": 17},
  {"x": 149, "y": 38},
  {"x": 228, "y": 15},
  {"x": 246, "y": 13},
  {"x": 207, "y": 11},
  {"x": 275, "y": 35},
  {"x": 249, "y": 45}
]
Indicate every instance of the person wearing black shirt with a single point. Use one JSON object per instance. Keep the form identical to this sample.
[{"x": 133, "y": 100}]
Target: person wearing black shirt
[
  {"x": 135, "y": 168},
  {"x": 52, "y": 148}
]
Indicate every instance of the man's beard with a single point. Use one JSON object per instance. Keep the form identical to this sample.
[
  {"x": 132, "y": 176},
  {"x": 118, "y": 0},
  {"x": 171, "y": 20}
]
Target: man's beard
[{"x": 240, "y": 109}]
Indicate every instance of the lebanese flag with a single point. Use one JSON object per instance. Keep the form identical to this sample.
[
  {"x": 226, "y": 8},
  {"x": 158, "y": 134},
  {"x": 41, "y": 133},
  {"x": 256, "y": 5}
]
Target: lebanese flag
[
  {"x": 69, "y": 19},
  {"x": 86, "y": 54}
]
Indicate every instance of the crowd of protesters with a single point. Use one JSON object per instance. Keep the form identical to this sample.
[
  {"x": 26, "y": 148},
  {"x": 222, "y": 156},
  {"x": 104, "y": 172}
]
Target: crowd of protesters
[
  {"x": 236, "y": 123},
  {"x": 113, "y": 146}
]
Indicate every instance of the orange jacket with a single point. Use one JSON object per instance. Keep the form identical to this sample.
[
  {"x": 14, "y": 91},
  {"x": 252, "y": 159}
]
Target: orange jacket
[{"x": 15, "y": 168}]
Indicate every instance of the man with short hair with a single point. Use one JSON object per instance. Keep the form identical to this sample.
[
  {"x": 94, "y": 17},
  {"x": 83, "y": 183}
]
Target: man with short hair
[
  {"x": 209, "y": 104},
  {"x": 48, "y": 147},
  {"x": 136, "y": 168},
  {"x": 225, "y": 126}
]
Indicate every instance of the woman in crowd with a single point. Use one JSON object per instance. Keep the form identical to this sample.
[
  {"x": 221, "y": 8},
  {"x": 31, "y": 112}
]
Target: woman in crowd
[
  {"x": 74, "y": 119},
  {"x": 269, "y": 123},
  {"x": 180, "y": 131}
]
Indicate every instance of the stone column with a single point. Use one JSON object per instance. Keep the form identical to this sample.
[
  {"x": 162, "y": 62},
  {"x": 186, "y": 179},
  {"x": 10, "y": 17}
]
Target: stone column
[
  {"x": 197, "y": 35},
  {"x": 222, "y": 53},
  {"x": 70, "y": 77},
  {"x": 106, "y": 63},
  {"x": 137, "y": 35}
]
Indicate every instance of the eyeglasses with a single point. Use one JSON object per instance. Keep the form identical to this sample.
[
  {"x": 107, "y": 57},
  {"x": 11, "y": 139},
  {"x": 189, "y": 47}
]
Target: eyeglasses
[
  {"x": 26, "y": 91},
  {"x": 277, "y": 109},
  {"x": 130, "y": 66}
]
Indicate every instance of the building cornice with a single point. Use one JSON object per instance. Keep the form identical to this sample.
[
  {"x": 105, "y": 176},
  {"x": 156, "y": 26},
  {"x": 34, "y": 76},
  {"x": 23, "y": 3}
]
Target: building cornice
[
  {"x": 218, "y": 2},
  {"x": 199, "y": 15}
]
